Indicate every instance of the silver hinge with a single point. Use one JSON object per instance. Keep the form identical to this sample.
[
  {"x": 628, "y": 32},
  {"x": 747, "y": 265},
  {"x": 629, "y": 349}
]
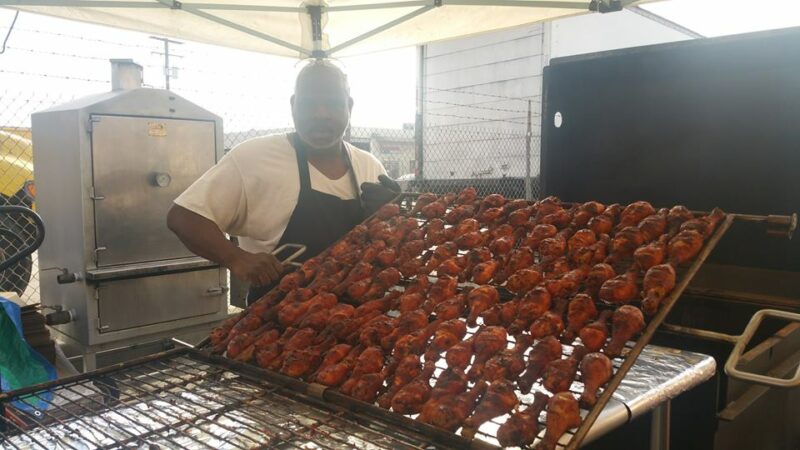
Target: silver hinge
[
  {"x": 93, "y": 195},
  {"x": 90, "y": 124},
  {"x": 97, "y": 253}
]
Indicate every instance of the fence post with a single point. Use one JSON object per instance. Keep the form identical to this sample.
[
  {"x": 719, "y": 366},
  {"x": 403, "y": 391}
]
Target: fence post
[
  {"x": 528, "y": 187},
  {"x": 419, "y": 151}
]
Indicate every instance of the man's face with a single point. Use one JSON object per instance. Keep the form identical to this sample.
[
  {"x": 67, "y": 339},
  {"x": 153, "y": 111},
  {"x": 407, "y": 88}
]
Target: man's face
[{"x": 321, "y": 109}]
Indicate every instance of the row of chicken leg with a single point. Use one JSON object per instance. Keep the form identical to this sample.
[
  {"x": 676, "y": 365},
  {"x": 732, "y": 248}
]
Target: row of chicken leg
[{"x": 406, "y": 312}]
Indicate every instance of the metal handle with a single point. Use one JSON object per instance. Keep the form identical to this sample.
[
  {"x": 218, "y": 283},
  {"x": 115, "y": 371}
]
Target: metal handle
[
  {"x": 215, "y": 291},
  {"x": 290, "y": 259},
  {"x": 744, "y": 339}
]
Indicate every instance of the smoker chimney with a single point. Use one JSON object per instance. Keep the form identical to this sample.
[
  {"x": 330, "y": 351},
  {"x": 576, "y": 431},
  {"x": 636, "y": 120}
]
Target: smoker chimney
[{"x": 125, "y": 75}]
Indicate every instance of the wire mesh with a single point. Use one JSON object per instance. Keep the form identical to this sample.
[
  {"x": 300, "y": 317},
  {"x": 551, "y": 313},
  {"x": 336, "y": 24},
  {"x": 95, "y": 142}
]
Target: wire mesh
[
  {"x": 182, "y": 400},
  {"x": 465, "y": 137}
]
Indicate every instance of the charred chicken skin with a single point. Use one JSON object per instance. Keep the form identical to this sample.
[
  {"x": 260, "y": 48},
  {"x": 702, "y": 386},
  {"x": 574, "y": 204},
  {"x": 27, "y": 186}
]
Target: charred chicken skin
[
  {"x": 626, "y": 322},
  {"x": 580, "y": 311},
  {"x": 594, "y": 335},
  {"x": 450, "y": 412},
  {"x": 501, "y": 314},
  {"x": 488, "y": 341},
  {"x": 523, "y": 280},
  {"x": 480, "y": 299},
  {"x": 601, "y": 224},
  {"x": 522, "y": 427},
  {"x": 545, "y": 351},
  {"x": 596, "y": 370},
  {"x": 460, "y": 355},
  {"x": 563, "y": 413},
  {"x": 634, "y": 213},
  {"x": 559, "y": 374},
  {"x": 651, "y": 254},
  {"x": 499, "y": 399},
  {"x": 676, "y": 217},
  {"x": 659, "y": 281},
  {"x": 540, "y": 233},
  {"x": 653, "y": 226},
  {"x": 620, "y": 290},
  {"x": 598, "y": 275},
  {"x": 509, "y": 363},
  {"x": 550, "y": 323},
  {"x": 684, "y": 247},
  {"x": 448, "y": 334},
  {"x": 411, "y": 397}
]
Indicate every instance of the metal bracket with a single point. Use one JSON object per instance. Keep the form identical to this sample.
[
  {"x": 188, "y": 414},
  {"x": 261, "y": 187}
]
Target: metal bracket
[
  {"x": 97, "y": 253},
  {"x": 744, "y": 339}
]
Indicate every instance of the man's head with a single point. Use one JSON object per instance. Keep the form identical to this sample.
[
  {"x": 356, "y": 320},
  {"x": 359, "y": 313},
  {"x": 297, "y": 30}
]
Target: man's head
[{"x": 321, "y": 105}]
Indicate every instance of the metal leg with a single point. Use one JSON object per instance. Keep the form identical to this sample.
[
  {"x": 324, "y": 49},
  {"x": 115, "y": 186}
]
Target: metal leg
[
  {"x": 659, "y": 426},
  {"x": 89, "y": 361}
]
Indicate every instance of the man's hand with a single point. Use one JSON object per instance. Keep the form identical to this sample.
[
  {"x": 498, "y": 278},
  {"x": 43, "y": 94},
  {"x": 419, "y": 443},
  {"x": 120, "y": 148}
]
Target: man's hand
[
  {"x": 374, "y": 195},
  {"x": 259, "y": 269}
]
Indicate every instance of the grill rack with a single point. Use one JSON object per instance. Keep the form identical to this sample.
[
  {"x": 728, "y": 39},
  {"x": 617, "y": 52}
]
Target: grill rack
[
  {"x": 184, "y": 398},
  {"x": 572, "y": 439}
]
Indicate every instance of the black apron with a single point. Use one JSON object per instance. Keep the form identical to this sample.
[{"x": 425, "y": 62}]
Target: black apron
[{"x": 319, "y": 219}]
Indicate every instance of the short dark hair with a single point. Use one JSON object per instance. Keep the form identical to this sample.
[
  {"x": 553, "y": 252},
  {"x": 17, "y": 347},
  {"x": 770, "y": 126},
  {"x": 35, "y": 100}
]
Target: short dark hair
[{"x": 322, "y": 65}]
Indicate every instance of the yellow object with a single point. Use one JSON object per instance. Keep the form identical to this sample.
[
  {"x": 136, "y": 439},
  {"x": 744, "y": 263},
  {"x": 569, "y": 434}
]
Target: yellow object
[{"x": 16, "y": 162}]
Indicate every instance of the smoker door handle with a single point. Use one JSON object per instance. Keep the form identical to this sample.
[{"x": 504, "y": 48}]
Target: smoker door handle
[{"x": 741, "y": 344}]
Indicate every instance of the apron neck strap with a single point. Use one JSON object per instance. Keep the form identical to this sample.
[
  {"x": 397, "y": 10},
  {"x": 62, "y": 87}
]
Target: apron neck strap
[{"x": 302, "y": 164}]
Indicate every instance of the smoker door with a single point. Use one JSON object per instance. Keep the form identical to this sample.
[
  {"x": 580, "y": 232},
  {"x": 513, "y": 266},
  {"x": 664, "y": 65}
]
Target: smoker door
[
  {"x": 137, "y": 302},
  {"x": 140, "y": 165}
]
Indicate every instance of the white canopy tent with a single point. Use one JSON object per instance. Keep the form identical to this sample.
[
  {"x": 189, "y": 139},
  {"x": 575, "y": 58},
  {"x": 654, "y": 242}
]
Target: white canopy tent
[{"x": 314, "y": 28}]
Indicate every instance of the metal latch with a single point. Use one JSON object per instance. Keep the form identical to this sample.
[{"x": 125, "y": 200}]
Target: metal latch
[{"x": 215, "y": 291}]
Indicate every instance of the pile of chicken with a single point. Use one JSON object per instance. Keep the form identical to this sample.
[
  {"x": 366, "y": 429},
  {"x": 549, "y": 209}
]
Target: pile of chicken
[{"x": 344, "y": 321}]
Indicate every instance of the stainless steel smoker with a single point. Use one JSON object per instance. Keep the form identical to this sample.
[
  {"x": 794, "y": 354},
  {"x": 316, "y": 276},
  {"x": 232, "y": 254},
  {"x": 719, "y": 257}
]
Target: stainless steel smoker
[{"x": 108, "y": 167}]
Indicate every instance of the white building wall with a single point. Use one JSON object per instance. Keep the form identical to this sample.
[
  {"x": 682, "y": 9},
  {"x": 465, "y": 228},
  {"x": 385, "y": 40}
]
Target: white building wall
[{"x": 476, "y": 89}]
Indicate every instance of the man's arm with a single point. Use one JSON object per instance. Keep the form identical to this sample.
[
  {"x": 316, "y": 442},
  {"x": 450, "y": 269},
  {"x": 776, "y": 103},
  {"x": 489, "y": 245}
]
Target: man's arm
[{"x": 204, "y": 238}]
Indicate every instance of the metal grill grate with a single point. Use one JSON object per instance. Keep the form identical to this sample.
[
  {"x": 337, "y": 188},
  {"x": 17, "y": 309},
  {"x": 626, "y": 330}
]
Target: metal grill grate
[{"x": 181, "y": 400}]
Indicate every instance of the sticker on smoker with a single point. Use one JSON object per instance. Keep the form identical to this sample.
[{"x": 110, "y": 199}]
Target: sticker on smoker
[{"x": 158, "y": 129}]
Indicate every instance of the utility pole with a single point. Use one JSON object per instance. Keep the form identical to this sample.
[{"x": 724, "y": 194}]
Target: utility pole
[{"x": 167, "y": 68}]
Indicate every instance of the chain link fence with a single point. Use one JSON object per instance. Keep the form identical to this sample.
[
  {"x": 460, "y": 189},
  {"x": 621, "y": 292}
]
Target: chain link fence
[{"x": 437, "y": 156}]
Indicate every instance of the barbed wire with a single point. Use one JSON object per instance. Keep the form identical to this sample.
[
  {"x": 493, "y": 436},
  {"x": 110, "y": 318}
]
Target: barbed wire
[
  {"x": 481, "y": 94},
  {"x": 475, "y": 106},
  {"x": 83, "y": 38},
  {"x": 45, "y": 75}
]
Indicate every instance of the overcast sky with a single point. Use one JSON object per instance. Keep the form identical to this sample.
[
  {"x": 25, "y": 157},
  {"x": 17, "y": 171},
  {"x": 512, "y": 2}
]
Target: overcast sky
[{"x": 49, "y": 59}]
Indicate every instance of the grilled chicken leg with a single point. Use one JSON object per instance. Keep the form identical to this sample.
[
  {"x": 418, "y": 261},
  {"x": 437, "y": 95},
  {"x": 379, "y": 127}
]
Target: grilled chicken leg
[
  {"x": 626, "y": 322},
  {"x": 522, "y": 427},
  {"x": 596, "y": 370},
  {"x": 546, "y": 350},
  {"x": 499, "y": 399},
  {"x": 563, "y": 413}
]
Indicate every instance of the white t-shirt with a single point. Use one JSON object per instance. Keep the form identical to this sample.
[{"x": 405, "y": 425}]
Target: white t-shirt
[{"x": 252, "y": 191}]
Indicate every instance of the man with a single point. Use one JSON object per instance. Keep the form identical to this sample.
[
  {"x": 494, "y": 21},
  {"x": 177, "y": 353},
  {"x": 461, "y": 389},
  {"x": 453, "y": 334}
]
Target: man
[{"x": 300, "y": 188}]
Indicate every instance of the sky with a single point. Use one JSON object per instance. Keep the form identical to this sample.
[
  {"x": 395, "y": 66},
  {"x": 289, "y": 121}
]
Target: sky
[{"x": 50, "y": 60}]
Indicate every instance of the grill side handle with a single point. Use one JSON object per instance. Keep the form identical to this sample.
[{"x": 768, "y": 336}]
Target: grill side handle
[{"x": 742, "y": 342}]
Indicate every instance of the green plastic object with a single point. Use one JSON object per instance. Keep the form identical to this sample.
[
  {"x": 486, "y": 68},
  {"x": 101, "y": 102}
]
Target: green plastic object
[{"x": 20, "y": 365}]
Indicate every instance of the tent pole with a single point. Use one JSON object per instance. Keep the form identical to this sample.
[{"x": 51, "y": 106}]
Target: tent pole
[
  {"x": 243, "y": 29},
  {"x": 315, "y": 12}
]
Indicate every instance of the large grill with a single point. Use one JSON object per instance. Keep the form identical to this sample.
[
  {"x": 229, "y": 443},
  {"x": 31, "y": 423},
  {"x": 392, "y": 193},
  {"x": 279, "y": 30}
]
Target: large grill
[
  {"x": 184, "y": 399},
  {"x": 572, "y": 439}
]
